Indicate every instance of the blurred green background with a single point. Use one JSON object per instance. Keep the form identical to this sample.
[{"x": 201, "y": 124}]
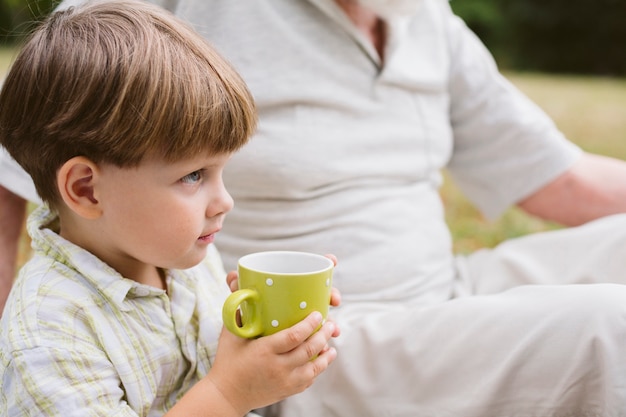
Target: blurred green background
[
  {"x": 573, "y": 36},
  {"x": 567, "y": 56},
  {"x": 557, "y": 36},
  {"x": 18, "y": 16}
]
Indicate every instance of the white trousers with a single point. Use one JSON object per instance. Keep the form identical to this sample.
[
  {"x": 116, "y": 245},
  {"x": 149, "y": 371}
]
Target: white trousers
[{"x": 537, "y": 327}]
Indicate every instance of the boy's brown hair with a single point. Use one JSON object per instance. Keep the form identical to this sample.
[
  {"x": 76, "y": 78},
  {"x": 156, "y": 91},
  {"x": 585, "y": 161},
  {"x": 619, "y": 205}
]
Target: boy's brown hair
[{"x": 116, "y": 81}]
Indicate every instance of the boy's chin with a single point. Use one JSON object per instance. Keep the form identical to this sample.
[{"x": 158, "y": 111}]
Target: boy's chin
[{"x": 190, "y": 262}]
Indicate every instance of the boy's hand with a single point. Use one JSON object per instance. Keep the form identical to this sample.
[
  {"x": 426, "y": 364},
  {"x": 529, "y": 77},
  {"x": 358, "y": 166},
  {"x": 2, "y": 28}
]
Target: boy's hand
[{"x": 253, "y": 373}]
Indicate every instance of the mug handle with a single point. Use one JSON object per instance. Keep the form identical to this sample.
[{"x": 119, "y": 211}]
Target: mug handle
[{"x": 250, "y": 318}]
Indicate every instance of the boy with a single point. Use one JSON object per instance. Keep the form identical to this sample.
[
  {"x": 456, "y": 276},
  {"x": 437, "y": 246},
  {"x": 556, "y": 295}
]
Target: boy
[{"x": 125, "y": 118}]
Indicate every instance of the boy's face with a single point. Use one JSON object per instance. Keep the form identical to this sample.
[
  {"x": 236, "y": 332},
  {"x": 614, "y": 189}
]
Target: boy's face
[{"x": 161, "y": 214}]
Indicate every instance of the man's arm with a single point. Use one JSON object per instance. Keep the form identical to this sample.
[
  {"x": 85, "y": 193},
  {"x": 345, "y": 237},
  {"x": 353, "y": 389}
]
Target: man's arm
[
  {"x": 593, "y": 187},
  {"x": 12, "y": 214}
]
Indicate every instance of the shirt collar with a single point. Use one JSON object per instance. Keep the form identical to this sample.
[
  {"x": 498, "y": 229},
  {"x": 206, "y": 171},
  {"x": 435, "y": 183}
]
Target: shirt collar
[
  {"x": 396, "y": 30},
  {"x": 43, "y": 229}
]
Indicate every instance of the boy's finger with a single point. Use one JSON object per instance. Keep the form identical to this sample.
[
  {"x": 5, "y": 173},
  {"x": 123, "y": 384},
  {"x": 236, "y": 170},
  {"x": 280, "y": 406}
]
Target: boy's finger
[
  {"x": 315, "y": 344},
  {"x": 336, "y": 331},
  {"x": 324, "y": 359},
  {"x": 291, "y": 338},
  {"x": 231, "y": 280},
  {"x": 335, "y": 297},
  {"x": 332, "y": 258}
]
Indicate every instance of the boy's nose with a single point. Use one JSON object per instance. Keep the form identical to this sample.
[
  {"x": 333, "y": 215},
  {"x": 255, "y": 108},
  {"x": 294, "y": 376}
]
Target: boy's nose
[{"x": 221, "y": 203}]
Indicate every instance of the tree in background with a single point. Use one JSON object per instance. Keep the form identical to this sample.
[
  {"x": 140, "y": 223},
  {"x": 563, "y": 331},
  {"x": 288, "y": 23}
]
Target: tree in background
[
  {"x": 569, "y": 35},
  {"x": 566, "y": 36},
  {"x": 18, "y": 16},
  {"x": 485, "y": 18}
]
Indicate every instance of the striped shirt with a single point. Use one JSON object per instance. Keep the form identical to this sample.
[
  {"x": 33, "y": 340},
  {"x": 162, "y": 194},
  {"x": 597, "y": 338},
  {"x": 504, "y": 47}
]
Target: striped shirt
[{"x": 78, "y": 339}]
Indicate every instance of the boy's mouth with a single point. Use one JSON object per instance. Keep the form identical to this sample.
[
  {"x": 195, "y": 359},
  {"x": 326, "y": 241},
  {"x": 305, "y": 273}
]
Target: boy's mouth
[{"x": 209, "y": 237}]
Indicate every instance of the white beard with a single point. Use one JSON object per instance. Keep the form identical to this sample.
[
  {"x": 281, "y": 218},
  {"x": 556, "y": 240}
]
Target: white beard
[{"x": 390, "y": 9}]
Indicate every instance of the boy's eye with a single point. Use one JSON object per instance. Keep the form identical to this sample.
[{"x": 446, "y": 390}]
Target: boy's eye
[{"x": 192, "y": 178}]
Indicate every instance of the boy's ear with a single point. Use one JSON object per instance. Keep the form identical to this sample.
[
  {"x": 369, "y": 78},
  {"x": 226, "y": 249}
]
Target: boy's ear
[{"x": 76, "y": 180}]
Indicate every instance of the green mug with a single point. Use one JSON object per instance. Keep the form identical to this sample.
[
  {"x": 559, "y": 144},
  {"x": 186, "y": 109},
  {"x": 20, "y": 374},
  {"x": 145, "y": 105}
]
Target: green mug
[{"x": 277, "y": 289}]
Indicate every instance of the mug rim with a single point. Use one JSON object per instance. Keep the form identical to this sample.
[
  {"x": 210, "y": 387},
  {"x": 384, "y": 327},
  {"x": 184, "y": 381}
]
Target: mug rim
[{"x": 244, "y": 262}]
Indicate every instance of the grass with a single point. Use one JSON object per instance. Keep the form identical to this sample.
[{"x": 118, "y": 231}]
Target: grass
[{"x": 591, "y": 111}]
